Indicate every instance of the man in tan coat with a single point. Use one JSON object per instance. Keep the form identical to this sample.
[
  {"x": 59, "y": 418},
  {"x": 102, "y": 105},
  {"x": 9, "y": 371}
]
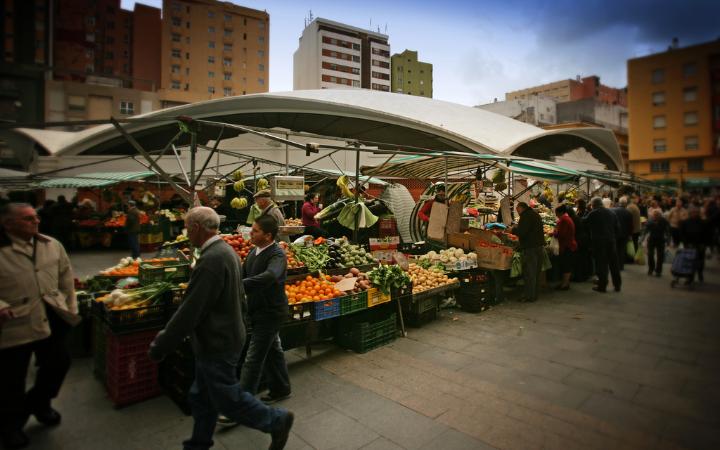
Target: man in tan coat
[{"x": 37, "y": 308}]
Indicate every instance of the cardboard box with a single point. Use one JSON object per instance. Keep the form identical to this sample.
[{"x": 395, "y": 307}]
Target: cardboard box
[
  {"x": 389, "y": 243},
  {"x": 438, "y": 220},
  {"x": 468, "y": 240},
  {"x": 496, "y": 258}
]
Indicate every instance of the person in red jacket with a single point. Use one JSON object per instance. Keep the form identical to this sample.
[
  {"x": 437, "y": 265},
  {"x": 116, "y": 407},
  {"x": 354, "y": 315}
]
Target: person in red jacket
[
  {"x": 565, "y": 234},
  {"x": 424, "y": 213}
]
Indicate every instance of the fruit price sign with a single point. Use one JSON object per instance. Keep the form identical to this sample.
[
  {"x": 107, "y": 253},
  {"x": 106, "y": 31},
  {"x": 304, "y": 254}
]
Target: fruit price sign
[{"x": 288, "y": 188}]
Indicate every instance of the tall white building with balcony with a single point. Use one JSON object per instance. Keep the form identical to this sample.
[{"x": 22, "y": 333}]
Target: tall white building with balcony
[{"x": 332, "y": 55}]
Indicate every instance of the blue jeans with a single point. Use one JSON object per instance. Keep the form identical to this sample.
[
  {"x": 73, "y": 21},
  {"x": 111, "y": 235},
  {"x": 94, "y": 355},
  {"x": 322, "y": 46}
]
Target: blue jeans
[
  {"x": 216, "y": 391},
  {"x": 265, "y": 357},
  {"x": 134, "y": 244}
]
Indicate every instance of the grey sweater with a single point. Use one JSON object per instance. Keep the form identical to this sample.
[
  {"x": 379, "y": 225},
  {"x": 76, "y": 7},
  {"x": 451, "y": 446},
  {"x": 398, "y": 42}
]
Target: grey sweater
[{"x": 212, "y": 311}]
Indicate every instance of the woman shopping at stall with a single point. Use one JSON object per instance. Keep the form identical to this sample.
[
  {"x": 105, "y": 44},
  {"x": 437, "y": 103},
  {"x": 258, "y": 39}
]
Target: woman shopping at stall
[
  {"x": 565, "y": 234},
  {"x": 309, "y": 209}
]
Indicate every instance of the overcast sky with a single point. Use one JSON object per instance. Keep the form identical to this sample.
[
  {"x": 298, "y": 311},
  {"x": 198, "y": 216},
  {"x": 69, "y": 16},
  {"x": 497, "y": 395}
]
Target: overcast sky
[{"x": 482, "y": 49}]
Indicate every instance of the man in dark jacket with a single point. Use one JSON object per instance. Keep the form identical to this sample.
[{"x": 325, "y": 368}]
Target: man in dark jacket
[
  {"x": 624, "y": 232},
  {"x": 657, "y": 229},
  {"x": 212, "y": 315},
  {"x": 602, "y": 224},
  {"x": 264, "y": 273},
  {"x": 532, "y": 244},
  {"x": 696, "y": 233},
  {"x": 132, "y": 226}
]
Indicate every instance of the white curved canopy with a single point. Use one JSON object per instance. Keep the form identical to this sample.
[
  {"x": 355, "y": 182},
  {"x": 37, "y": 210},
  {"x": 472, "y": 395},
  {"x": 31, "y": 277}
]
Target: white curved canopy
[{"x": 358, "y": 114}]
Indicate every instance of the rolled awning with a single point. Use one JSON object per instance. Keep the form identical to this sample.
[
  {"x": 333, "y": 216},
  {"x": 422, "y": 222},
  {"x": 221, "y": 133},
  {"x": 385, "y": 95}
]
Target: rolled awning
[{"x": 97, "y": 179}]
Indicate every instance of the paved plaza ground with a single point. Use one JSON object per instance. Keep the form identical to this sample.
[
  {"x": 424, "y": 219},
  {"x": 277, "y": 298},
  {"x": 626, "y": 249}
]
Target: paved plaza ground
[{"x": 576, "y": 370}]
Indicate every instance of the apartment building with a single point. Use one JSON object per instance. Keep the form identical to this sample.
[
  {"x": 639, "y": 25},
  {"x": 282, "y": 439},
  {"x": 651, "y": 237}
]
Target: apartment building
[
  {"x": 410, "y": 76},
  {"x": 212, "y": 49},
  {"x": 577, "y": 89},
  {"x": 333, "y": 55},
  {"x": 674, "y": 107}
]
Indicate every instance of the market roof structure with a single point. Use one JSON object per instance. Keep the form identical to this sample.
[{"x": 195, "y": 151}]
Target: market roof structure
[
  {"x": 384, "y": 120},
  {"x": 91, "y": 180}
]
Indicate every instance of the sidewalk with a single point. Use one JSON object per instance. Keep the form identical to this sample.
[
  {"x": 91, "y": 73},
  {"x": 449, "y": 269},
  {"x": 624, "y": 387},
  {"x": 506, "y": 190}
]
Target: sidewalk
[{"x": 577, "y": 369}]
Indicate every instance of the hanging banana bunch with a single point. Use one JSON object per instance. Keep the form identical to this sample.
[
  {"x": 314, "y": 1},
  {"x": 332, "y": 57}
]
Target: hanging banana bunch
[
  {"x": 499, "y": 180},
  {"x": 342, "y": 183},
  {"x": 547, "y": 192},
  {"x": 262, "y": 184},
  {"x": 239, "y": 203},
  {"x": 239, "y": 186},
  {"x": 237, "y": 175}
]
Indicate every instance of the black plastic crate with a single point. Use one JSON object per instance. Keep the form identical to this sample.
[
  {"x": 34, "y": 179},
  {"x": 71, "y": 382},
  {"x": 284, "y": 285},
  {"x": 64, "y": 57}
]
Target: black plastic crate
[
  {"x": 366, "y": 332},
  {"x": 474, "y": 297},
  {"x": 418, "y": 320},
  {"x": 300, "y": 312},
  {"x": 99, "y": 347}
]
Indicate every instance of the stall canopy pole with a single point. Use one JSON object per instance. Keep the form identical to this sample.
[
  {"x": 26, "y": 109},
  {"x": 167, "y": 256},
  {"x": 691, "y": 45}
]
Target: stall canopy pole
[
  {"x": 193, "y": 154},
  {"x": 131, "y": 140},
  {"x": 214, "y": 149},
  {"x": 357, "y": 195},
  {"x": 287, "y": 155},
  {"x": 182, "y": 168}
]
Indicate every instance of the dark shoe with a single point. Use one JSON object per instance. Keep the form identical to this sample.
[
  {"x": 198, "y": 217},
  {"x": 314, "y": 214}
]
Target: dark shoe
[
  {"x": 271, "y": 398},
  {"x": 223, "y": 421},
  {"x": 14, "y": 439},
  {"x": 48, "y": 417},
  {"x": 562, "y": 288},
  {"x": 657, "y": 274},
  {"x": 280, "y": 437},
  {"x": 650, "y": 272},
  {"x": 617, "y": 288},
  {"x": 599, "y": 289}
]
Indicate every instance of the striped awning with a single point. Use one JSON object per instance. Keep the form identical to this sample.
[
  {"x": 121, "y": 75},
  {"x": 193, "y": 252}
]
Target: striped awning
[
  {"x": 436, "y": 166},
  {"x": 97, "y": 179}
]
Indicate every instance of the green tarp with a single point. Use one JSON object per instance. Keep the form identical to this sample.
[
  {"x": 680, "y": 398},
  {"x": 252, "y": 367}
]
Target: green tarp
[{"x": 96, "y": 179}]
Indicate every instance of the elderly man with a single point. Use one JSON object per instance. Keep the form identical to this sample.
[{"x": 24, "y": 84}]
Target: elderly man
[
  {"x": 268, "y": 207},
  {"x": 624, "y": 232},
  {"x": 532, "y": 244},
  {"x": 37, "y": 307},
  {"x": 603, "y": 227},
  {"x": 212, "y": 315}
]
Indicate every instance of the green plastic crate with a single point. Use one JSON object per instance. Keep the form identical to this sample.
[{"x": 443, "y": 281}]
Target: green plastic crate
[
  {"x": 353, "y": 303},
  {"x": 364, "y": 336},
  {"x": 177, "y": 272}
]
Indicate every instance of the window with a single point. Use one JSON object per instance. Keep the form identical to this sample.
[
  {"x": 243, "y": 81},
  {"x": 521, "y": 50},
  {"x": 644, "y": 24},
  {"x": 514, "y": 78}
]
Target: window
[
  {"x": 690, "y": 94},
  {"x": 89, "y": 53},
  {"x": 187, "y": 40},
  {"x": 227, "y": 62},
  {"x": 211, "y": 90},
  {"x": 244, "y": 36},
  {"x": 261, "y": 53},
  {"x": 356, "y": 83},
  {"x": 356, "y": 59},
  {"x": 175, "y": 37},
  {"x": 211, "y": 59},
  {"x": 187, "y": 9},
  {"x": 90, "y": 37},
  {"x": 110, "y": 40},
  {"x": 659, "y": 122},
  {"x": 659, "y": 145},
  {"x": 261, "y": 67},
  {"x": 660, "y": 166},
  {"x": 356, "y": 46},
  {"x": 175, "y": 68},
  {"x": 187, "y": 71},
  {"x": 244, "y": 23},
  {"x": 211, "y": 74},
  {"x": 90, "y": 21},
  {"x": 176, "y": 6},
  {"x": 691, "y": 118},
  {"x": 691, "y": 143},
  {"x": 689, "y": 70},
  {"x": 228, "y": 76},
  {"x": 658, "y": 76},
  {"x": 695, "y": 165},
  {"x": 175, "y": 53},
  {"x": 658, "y": 98},
  {"x": 211, "y": 14},
  {"x": 261, "y": 25},
  {"x": 227, "y": 33},
  {"x": 187, "y": 24},
  {"x": 211, "y": 29},
  {"x": 227, "y": 47},
  {"x": 227, "y": 17},
  {"x": 227, "y": 92},
  {"x": 126, "y": 107},
  {"x": 109, "y": 55},
  {"x": 211, "y": 44},
  {"x": 422, "y": 82},
  {"x": 175, "y": 85},
  {"x": 76, "y": 103},
  {"x": 261, "y": 81},
  {"x": 261, "y": 39},
  {"x": 176, "y": 22},
  {"x": 187, "y": 55}
]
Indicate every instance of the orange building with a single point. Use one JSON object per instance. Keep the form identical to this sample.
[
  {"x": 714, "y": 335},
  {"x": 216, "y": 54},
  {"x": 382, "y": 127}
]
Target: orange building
[
  {"x": 212, "y": 49},
  {"x": 571, "y": 90},
  {"x": 147, "y": 29},
  {"x": 674, "y": 109}
]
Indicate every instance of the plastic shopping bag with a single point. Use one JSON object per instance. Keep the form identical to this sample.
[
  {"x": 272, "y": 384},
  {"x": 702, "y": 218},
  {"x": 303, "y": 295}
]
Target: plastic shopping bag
[
  {"x": 640, "y": 256},
  {"x": 554, "y": 246},
  {"x": 630, "y": 249}
]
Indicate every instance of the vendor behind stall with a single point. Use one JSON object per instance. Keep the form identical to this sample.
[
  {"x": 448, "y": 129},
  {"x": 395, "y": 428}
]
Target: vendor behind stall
[
  {"x": 424, "y": 213},
  {"x": 268, "y": 208},
  {"x": 310, "y": 209}
]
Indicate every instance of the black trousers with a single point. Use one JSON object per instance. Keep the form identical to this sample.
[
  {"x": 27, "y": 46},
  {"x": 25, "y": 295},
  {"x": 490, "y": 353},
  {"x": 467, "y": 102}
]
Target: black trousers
[
  {"x": 621, "y": 251},
  {"x": 605, "y": 256},
  {"x": 655, "y": 255},
  {"x": 53, "y": 362}
]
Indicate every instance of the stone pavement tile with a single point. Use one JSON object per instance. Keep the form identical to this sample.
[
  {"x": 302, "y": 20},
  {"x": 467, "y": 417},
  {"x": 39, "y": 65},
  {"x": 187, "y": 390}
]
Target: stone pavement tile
[
  {"x": 551, "y": 391},
  {"x": 355, "y": 402},
  {"x": 410, "y": 346},
  {"x": 402, "y": 425},
  {"x": 689, "y": 371},
  {"x": 333, "y": 430},
  {"x": 447, "y": 358},
  {"x": 428, "y": 407},
  {"x": 643, "y": 336},
  {"x": 491, "y": 372},
  {"x": 709, "y": 390},
  {"x": 602, "y": 383},
  {"x": 582, "y": 360},
  {"x": 651, "y": 377},
  {"x": 546, "y": 369},
  {"x": 663, "y": 351},
  {"x": 382, "y": 444},
  {"x": 694, "y": 408},
  {"x": 305, "y": 405},
  {"x": 623, "y": 413},
  {"x": 455, "y": 440},
  {"x": 691, "y": 434},
  {"x": 627, "y": 357}
]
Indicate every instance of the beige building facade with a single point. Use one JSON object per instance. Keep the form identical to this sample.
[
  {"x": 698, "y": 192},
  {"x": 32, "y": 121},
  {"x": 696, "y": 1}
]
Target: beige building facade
[{"x": 212, "y": 49}]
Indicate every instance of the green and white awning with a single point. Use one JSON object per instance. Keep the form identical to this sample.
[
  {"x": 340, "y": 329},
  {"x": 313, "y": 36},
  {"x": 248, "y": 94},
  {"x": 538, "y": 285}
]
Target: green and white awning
[{"x": 96, "y": 179}]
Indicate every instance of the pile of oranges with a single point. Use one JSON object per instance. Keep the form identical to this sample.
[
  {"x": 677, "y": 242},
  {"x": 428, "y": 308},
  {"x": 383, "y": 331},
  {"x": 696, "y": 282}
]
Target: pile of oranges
[{"x": 312, "y": 289}]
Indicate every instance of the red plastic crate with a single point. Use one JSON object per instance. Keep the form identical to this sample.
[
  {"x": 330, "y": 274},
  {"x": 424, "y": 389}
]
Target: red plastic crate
[
  {"x": 387, "y": 227},
  {"x": 130, "y": 375}
]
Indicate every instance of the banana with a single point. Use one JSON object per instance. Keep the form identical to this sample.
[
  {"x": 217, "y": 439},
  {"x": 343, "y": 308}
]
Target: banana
[
  {"x": 239, "y": 186},
  {"x": 262, "y": 184},
  {"x": 239, "y": 203},
  {"x": 342, "y": 183},
  {"x": 237, "y": 175}
]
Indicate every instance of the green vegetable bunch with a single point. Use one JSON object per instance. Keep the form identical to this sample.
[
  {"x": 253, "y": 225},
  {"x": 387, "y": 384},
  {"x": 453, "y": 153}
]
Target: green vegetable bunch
[
  {"x": 387, "y": 277},
  {"x": 315, "y": 257}
]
